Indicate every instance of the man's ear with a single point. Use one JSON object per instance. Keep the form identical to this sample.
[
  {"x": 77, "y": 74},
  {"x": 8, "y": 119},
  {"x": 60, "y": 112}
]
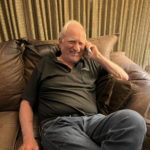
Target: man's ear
[{"x": 60, "y": 40}]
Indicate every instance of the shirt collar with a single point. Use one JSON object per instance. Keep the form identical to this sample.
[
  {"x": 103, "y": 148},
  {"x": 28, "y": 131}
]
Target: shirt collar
[{"x": 83, "y": 63}]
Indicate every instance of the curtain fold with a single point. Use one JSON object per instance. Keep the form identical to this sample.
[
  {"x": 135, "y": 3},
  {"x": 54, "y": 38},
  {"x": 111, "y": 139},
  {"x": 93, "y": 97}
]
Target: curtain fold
[{"x": 43, "y": 19}]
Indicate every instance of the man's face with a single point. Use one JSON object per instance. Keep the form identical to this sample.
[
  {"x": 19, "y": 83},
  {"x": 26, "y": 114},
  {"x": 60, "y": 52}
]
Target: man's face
[{"x": 72, "y": 44}]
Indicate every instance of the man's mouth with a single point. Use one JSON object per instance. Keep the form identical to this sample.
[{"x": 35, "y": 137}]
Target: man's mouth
[{"x": 74, "y": 53}]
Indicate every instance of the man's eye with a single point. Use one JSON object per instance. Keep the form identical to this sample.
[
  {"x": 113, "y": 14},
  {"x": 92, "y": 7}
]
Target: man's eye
[
  {"x": 71, "y": 42},
  {"x": 80, "y": 43}
]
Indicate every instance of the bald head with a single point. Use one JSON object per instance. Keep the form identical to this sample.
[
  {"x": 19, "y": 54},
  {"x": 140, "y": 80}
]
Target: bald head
[{"x": 72, "y": 24}]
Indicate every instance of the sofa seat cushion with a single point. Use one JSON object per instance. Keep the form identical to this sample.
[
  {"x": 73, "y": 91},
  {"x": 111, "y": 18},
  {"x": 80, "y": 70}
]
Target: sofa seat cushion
[{"x": 9, "y": 127}]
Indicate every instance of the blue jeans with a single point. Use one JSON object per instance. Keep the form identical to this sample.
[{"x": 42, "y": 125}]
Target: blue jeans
[{"x": 121, "y": 130}]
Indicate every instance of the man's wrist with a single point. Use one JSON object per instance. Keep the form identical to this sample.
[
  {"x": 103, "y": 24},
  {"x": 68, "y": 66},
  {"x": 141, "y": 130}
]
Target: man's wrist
[
  {"x": 98, "y": 58},
  {"x": 28, "y": 137}
]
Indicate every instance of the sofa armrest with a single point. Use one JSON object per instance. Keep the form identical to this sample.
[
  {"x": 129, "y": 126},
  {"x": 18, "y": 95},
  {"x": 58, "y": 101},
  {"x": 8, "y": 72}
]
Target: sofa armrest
[{"x": 140, "y": 101}]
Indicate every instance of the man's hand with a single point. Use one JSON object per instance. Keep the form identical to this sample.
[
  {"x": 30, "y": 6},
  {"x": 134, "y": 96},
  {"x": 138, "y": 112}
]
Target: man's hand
[
  {"x": 29, "y": 144},
  {"x": 94, "y": 51}
]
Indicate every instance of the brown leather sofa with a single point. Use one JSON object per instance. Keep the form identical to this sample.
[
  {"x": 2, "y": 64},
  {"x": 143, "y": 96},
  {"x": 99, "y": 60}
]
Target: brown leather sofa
[{"x": 19, "y": 57}]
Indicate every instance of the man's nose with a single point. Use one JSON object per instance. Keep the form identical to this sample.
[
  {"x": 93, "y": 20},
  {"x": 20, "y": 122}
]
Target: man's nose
[{"x": 77, "y": 47}]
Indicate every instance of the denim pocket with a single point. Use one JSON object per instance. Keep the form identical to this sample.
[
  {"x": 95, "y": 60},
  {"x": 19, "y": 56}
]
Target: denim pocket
[{"x": 47, "y": 124}]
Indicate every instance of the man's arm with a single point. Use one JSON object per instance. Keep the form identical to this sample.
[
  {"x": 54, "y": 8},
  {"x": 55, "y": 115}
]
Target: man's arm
[
  {"x": 111, "y": 67},
  {"x": 26, "y": 121}
]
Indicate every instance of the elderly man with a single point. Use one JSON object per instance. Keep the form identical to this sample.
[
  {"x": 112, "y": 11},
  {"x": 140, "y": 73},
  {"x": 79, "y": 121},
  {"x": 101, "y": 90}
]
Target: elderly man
[{"x": 62, "y": 88}]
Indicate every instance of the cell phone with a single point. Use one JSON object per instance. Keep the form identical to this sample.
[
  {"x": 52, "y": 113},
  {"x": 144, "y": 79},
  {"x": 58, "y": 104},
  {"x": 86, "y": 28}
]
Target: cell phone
[{"x": 88, "y": 51}]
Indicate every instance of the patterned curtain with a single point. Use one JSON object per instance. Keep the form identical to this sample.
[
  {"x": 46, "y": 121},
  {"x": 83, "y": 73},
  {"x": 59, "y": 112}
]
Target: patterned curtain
[{"x": 43, "y": 19}]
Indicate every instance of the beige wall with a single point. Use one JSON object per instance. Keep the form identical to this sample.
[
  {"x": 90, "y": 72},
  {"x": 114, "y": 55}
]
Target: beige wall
[{"x": 43, "y": 19}]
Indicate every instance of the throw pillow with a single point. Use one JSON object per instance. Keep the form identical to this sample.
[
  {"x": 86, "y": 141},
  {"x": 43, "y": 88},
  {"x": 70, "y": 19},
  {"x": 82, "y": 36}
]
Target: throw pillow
[
  {"x": 105, "y": 43},
  {"x": 33, "y": 51},
  {"x": 112, "y": 94}
]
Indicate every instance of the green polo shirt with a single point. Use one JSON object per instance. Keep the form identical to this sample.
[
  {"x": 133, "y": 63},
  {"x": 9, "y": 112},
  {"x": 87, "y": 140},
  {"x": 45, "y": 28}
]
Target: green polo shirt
[{"x": 57, "y": 90}]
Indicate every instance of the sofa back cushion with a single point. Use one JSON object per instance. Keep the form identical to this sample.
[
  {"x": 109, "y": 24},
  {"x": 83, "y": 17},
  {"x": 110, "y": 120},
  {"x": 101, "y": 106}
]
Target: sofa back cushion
[
  {"x": 17, "y": 63},
  {"x": 105, "y": 43},
  {"x": 11, "y": 75}
]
